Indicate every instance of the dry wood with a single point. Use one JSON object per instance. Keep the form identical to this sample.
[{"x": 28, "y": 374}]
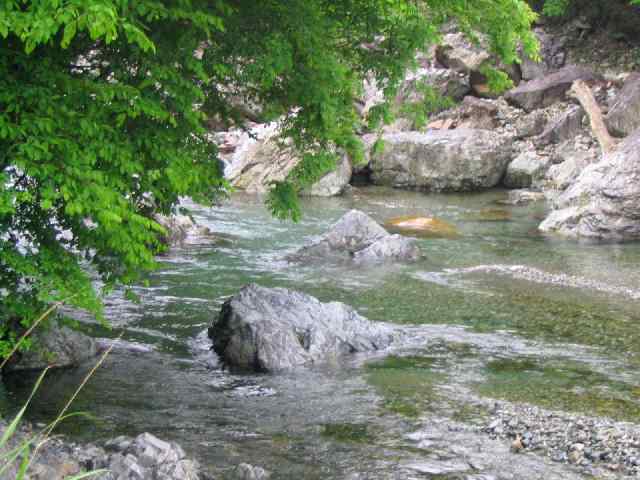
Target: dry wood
[{"x": 583, "y": 93}]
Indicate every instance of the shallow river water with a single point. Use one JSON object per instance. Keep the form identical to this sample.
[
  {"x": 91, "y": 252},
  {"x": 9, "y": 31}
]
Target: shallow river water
[{"x": 499, "y": 311}]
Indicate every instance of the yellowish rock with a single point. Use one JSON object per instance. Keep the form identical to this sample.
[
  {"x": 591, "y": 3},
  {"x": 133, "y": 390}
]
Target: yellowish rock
[{"x": 422, "y": 226}]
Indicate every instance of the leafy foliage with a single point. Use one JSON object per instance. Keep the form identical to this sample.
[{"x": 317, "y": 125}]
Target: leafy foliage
[{"x": 104, "y": 106}]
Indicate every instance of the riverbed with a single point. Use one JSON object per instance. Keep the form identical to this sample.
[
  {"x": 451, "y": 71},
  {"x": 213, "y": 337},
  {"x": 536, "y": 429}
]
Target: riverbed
[{"x": 498, "y": 312}]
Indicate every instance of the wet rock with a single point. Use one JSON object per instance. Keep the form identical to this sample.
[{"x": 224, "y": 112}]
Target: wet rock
[
  {"x": 57, "y": 346},
  {"x": 244, "y": 471},
  {"x": 624, "y": 116},
  {"x": 181, "y": 229},
  {"x": 549, "y": 89},
  {"x": 273, "y": 329},
  {"x": 441, "y": 160},
  {"x": 604, "y": 202},
  {"x": 389, "y": 247},
  {"x": 526, "y": 170},
  {"x": 422, "y": 226},
  {"x": 357, "y": 236}
]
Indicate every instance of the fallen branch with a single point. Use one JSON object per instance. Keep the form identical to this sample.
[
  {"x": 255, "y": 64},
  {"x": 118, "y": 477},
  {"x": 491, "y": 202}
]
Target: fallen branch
[{"x": 582, "y": 92}]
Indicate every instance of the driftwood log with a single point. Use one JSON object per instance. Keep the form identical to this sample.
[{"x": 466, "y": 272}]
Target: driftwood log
[{"x": 581, "y": 91}]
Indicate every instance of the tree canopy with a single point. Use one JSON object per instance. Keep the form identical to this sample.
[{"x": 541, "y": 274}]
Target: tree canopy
[{"x": 104, "y": 107}]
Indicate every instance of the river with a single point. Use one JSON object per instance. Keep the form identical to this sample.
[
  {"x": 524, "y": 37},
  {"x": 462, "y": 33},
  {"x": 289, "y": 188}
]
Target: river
[{"x": 499, "y": 311}]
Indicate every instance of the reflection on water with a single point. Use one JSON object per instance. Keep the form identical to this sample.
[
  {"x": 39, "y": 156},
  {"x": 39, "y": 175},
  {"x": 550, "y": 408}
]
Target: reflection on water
[{"x": 344, "y": 419}]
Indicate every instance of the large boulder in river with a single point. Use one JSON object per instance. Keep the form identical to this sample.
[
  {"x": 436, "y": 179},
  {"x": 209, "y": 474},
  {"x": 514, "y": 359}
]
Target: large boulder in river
[
  {"x": 441, "y": 160},
  {"x": 56, "y": 346},
  {"x": 624, "y": 116},
  {"x": 604, "y": 202},
  {"x": 272, "y": 329},
  {"x": 359, "y": 237},
  {"x": 547, "y": 90}
]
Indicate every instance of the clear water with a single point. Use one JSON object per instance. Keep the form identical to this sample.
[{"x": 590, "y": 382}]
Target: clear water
[{"x": 466, "y": 307}]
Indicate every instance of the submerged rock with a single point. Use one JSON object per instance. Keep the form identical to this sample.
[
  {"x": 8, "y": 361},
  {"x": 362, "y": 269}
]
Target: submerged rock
[
  {"x": 55, "y": 346},
  {"x": 272, "y": 329},
  {"x": 422, "y": 226},
  {"x": 604, "y": 202},
  {"x": 244, "y": 471},
  {"x": 359, "y": 237},
  {"x": 441, "y": 160}
]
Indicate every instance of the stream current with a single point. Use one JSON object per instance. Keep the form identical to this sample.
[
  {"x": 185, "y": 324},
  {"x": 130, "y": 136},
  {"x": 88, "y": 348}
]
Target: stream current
[{"x": 498, "y": 292}]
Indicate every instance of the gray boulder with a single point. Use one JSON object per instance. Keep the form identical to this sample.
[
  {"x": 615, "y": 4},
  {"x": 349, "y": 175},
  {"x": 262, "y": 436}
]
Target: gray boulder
[
  {"x": 55, "y": 346},
  {"x": 273, "y": 329},
  {"x": 527, "y": 169},
  {"x": 547, "y": 90},
  {"x": 441, "y": 160},
  {"x": 358, "y": 237},
  {"x": 624, "y": 116},
  {"x": 604, "y": 202}
]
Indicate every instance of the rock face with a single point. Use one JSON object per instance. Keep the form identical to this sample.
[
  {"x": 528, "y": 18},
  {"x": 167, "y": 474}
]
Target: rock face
[
  {"x": 624, "y": 116},
  {"x": 604, "y": 202},
  {"x": 527, "y": 169},
  {"x": 333, "y": 183},
  {"x": 444, "y": 160},
  {"x": 254, "y": 161},
  {"x": 144, "y": 457},
  {"x": 272, "y": 329},
  {"x": 56, "y": 346},
  {"x": 357, "y": 236},
  {"x": 549, "y": 89}
]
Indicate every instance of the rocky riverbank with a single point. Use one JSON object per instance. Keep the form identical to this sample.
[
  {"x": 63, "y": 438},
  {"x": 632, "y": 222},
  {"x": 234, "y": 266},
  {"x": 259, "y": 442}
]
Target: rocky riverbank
[{"x": 599, "y": 447}]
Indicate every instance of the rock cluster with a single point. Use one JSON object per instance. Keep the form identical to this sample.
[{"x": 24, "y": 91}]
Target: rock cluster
[{"x": 144, "y": 457}]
